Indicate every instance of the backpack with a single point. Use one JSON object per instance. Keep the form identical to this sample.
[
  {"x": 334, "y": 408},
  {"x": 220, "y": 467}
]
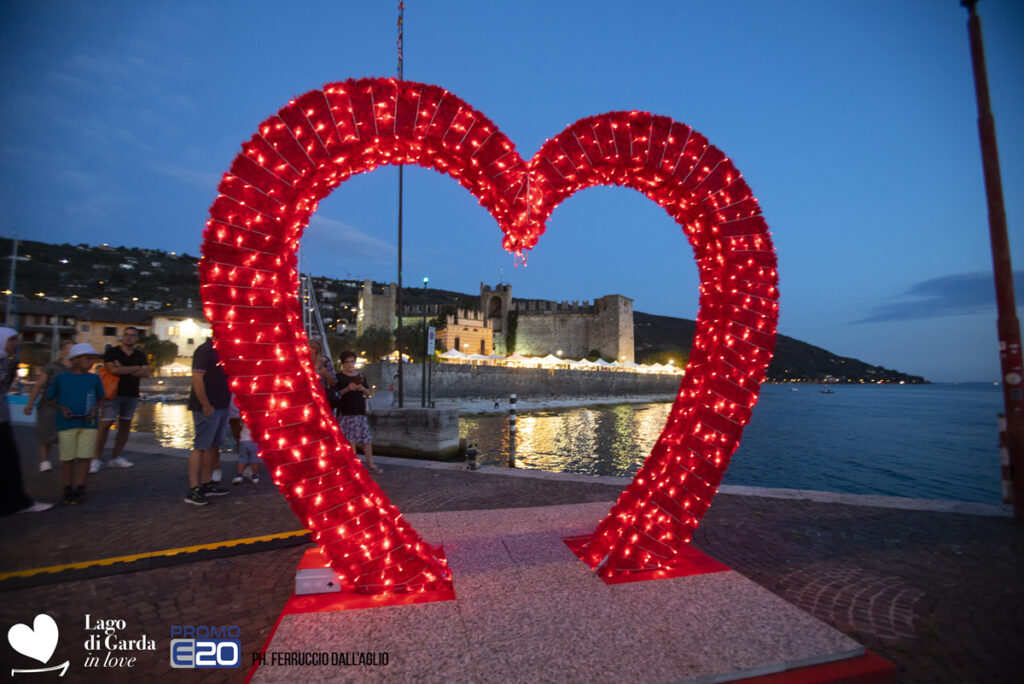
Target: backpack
[{"x": 110, "y": 382}]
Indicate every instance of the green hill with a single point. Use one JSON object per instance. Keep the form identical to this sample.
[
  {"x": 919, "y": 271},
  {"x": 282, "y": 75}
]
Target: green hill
[{"x": 131, "y": 277}]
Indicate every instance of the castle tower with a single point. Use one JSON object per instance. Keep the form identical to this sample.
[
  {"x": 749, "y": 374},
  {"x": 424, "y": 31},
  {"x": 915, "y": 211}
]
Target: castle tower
[
  {"x": 495, "y": 305},
  {"x": 376, "y": 309},
  {"x": 613, "y": 332}
]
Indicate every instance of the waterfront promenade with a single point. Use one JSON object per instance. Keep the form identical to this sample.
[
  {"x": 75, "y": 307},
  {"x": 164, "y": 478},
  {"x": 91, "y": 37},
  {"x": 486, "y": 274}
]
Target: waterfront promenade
[{"x": 940, "y": 593}]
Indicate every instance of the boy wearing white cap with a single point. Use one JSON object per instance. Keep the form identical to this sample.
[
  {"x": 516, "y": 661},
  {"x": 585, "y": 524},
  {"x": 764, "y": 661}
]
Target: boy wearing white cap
[{"x": 77, "y": 396}]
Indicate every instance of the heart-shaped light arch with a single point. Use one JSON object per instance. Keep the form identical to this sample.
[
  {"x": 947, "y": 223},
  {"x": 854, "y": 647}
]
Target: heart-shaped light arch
[{"x": 249, "y": 288}]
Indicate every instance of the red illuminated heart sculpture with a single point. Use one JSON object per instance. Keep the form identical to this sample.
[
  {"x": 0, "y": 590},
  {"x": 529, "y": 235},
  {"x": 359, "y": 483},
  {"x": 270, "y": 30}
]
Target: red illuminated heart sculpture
[{"x": 250, "y": 285}]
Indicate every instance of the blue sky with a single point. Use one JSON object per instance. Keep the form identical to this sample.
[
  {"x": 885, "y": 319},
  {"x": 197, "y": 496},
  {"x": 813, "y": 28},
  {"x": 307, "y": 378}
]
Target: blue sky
[{"x": 853, "y": 121}]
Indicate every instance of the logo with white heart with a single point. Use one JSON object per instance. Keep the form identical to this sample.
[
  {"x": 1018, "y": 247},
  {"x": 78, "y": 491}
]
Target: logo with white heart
[{"x": 37, "y": 642}]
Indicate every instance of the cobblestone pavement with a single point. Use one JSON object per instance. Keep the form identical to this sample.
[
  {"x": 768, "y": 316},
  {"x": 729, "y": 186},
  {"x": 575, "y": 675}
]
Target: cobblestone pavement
[{"x": 939, "y": 594}]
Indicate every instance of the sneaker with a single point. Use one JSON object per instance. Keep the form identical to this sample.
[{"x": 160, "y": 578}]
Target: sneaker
[
  {"x": 94, "y": 466},
  {"x": 216, "y": 475},
  {"x": 79, "y": 495},
  {"x": 68, "y": 499},
  {"x": 119, "y": 462},
  {"x": 45, "y": 466},
  {"x": 37, "y": 507},
  {"x": 196, "y": 498},
  {"x": 237, "y": 480},
  {"x": 213, "y": 489},
  {"x": 255, "y": 479}
]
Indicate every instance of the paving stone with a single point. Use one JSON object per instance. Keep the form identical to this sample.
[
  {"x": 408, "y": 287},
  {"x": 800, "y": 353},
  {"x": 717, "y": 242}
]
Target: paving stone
[{"x": 941, "y": 594}]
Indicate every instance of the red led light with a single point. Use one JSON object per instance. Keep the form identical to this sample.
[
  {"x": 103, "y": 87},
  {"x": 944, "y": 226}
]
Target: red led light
[{"x": 249, "y": 286}]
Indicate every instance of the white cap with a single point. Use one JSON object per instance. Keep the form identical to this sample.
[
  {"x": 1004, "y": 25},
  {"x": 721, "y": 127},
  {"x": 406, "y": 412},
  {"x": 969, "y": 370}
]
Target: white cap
[{"x": 81, "y": 350}]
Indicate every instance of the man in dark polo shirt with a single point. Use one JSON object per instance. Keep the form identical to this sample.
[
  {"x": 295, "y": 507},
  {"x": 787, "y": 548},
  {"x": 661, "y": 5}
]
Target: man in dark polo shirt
[
  {"x": 128, "y": 362},
  {"x": 209, "y": 402}
]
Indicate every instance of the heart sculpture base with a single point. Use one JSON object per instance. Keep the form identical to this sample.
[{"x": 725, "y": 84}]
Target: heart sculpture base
[
  {"x": 527, "y": 610},
  {"x": 249, "y": 286},
  {"x": 689, "y": 561}
]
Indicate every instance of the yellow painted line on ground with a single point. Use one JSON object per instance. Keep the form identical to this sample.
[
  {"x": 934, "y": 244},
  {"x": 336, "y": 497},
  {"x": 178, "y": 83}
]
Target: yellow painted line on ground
[{"x": 151, "y": 554}]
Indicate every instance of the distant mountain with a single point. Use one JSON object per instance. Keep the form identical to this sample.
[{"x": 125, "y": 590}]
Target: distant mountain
[
  {"x": 793, "y": 361},
  {"x": 130, "y": 277}
]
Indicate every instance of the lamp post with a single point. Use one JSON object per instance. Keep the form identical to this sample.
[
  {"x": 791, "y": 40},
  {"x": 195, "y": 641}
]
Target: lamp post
[
  {"x": 426, "y": 345},
  {"x": 1007, "y": 324}
]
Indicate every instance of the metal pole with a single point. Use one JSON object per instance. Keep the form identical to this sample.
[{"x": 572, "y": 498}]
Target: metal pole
[
  {"x": 1007, "y": 324},
  {"x": 426, "y": 344},
  {"x": 10, "y": 286},
  {"x": 398, "y": 298},
  {"x": 512, "y": 431}
]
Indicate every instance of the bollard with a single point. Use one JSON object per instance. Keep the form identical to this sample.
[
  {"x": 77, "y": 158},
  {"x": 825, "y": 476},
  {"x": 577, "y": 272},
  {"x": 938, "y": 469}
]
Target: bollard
[
  {"x": 512, "y": 431},
  {"x": 471, "y": 453}
]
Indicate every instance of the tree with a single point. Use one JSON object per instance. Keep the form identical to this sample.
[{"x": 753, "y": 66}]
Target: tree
[
  {"x": 340, "y": 343},
  {"x": 158, "y": 352},
  {"x": 414, "y": 341},
  {"x": 375, "y": 344}
]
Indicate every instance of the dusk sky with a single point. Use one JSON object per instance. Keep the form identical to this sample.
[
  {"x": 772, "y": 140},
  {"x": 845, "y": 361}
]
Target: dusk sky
[{"x": 854, "y": 122}]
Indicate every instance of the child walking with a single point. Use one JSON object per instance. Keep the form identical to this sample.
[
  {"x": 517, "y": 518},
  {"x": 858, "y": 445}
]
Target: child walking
[{"x": 76, "y": 396}]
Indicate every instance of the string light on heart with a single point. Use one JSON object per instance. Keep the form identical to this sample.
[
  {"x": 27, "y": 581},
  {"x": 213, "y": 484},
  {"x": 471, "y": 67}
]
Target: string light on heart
[{"x": 249, "y": 287}]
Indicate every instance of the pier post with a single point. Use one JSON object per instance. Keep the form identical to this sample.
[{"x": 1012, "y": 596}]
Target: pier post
[{"x": 512, "y": 431}]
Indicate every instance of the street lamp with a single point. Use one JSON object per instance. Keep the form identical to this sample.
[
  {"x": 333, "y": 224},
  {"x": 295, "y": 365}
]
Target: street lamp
[{"x": 426, "y": 347}]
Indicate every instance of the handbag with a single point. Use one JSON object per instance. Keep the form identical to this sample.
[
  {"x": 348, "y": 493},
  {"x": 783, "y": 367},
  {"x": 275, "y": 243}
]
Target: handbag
[
  {"x": 333, "y": 396},
  {"x": 110, "y": 382}
]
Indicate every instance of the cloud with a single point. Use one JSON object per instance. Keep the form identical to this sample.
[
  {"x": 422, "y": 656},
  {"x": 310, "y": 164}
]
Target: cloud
[
  {"x": 200, "y": 179},
  {"x": 336, "y": 249},
  {"x": 958, "y": 294}
]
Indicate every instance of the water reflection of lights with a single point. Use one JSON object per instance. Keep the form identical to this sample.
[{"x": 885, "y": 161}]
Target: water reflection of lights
[
  {"x": 606, "y": 440},
  {"x": 171, "y": 423}
]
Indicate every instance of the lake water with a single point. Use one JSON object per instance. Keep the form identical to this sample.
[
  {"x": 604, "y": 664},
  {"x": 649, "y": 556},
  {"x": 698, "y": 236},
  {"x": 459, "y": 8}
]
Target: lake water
[{"x": 921, "y": 441}]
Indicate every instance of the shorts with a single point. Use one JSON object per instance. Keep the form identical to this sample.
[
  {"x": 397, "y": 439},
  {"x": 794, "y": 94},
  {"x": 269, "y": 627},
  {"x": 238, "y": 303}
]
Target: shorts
[
  {"x": 210, "y": 430},
  {"x": 356, "y": 429},
  {"x": 248, "y": 453},
  {"x": 118, "y": 408},
  {"x": 46, "y": 424},
  {"x": 76, "y": 443}
]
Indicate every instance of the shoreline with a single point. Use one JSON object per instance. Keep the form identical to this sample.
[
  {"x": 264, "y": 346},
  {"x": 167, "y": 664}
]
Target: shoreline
[{"x": 485, "y": 406}]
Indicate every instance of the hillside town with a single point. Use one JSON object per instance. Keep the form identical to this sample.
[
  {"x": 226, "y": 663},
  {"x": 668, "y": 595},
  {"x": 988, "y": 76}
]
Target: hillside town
[{"x": 91, "y": 293}]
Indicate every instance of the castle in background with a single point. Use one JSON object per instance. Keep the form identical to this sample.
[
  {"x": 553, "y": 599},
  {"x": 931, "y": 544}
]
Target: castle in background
[
  {"x": 537, "y": 327},
  {"x": 376, "y": 307},
  {"x": 534, "y": 327}
]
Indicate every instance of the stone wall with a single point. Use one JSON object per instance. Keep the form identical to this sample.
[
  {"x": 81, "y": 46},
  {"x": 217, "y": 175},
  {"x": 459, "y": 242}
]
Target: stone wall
[
  {"x": 543, "y": 334},
  {"x": 416, "y": 432},
  {"x": 456, "y": 380}
]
